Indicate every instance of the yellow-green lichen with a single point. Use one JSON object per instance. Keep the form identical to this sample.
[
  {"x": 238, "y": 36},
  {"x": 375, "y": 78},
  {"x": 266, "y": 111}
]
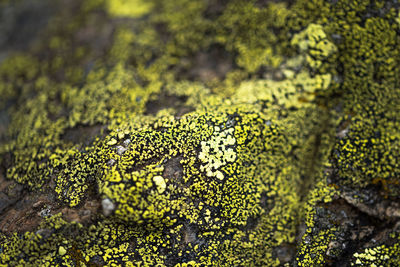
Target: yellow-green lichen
[
  {"x": 315, "y": 43},
  {"x": 194, "y": 171},
  {"x": 377, "y": 256},
  {"x": 128, "y": 8}
]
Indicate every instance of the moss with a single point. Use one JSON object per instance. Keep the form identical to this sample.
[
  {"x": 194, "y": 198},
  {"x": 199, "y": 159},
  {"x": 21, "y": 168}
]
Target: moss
[{"x": 229, "y": 175}]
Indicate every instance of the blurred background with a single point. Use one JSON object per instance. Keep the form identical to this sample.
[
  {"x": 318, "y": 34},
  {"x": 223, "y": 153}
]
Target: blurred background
[{"x": 21, "y": 21}]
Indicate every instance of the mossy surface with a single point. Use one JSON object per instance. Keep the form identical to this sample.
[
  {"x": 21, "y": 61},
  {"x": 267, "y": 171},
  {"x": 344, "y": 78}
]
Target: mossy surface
[{"x": 197, "y": 133}]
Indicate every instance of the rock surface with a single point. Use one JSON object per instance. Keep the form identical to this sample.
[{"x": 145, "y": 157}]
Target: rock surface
[{"x": 200, "y": 133}]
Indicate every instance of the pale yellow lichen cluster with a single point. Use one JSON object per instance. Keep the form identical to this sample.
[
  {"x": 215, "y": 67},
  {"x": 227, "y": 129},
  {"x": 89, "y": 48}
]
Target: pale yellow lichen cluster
[
  {"x": 315, "y": 44},
  {"x": 217, "y": 152}
]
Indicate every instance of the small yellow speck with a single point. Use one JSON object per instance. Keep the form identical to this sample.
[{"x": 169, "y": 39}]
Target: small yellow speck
[
  {"x": 62, "y": 251},
  {"x": 160, "y": 183},
  {"x": 112, "y": 142},
  {"x": 220, "y": 175},
  {"x": 121, "y": 135}
]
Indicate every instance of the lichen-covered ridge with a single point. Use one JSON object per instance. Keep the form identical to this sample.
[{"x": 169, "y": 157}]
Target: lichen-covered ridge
[{"x": 204, "y": 133}]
